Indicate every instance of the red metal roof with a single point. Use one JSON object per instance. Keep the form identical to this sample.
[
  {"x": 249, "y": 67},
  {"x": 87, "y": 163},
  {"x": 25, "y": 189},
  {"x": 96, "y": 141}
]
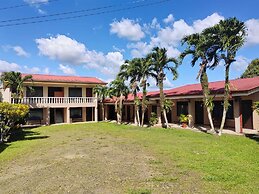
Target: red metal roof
[
  {"x": 236, "y": 86},
  {"x": 66, "y": 79}
]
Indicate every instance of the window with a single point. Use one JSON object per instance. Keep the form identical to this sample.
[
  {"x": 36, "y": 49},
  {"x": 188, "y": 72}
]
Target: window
[
  {"x": 75, "y": 92},
  {"x": 89, "y": 92},
  {"x": 75, "y": 113},
  {"x": 36, "y": 114},
  {"x": 182, "y": 108},
  {"x": 34, "y": 92},
  {"x": 218, "y": 110}
]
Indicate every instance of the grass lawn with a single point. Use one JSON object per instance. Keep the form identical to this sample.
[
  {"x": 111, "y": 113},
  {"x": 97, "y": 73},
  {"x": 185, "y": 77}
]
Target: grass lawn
[{"x": 110, "y": 158}]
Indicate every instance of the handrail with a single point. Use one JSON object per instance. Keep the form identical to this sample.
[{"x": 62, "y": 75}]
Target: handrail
[{"x": 53, "y": 100}]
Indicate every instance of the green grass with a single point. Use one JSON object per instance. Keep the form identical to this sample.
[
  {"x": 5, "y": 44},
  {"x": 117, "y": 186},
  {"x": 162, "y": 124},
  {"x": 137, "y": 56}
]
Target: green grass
[{"x": 217, "y": 164}]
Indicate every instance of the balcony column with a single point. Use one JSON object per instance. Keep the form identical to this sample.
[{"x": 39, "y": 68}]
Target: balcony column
[
  {"x": 45, "y": 91},
  {"x": 46, "y": 116},
  {"x": 67, "y": 115},
  {"x": 96, "y": 109},
  {"x": 66, "y": 91},
  {"x": 84, "y": 114}
]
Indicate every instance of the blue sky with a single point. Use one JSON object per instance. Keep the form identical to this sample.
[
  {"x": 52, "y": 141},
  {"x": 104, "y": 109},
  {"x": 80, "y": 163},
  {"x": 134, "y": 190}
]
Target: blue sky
[{"x": 96, "y": 45}]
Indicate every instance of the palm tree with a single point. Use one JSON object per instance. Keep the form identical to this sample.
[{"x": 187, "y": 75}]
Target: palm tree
[
  {"x": 230, "y": 36},
  {"x": 202, "y": 48},
  {"x": 15, "y": 81},
  {"x": 120, "y": 91},
  {"x": 102, "y": 93},
  {"x": 160, "y": 63},
  {"x": 129, "y": 71}
]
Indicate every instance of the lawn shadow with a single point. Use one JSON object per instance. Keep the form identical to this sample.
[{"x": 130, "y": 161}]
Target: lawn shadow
[
  {"x": 253, "y": 137},
  {"x": 25, "y": 134}
]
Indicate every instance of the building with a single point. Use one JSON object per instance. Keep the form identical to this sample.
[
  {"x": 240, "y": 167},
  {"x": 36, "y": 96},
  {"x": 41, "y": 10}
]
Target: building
[
  {"x": 188, "y": 99},
  {"x": 66, "y": 99},
  {"x": 59, "y": 99}
]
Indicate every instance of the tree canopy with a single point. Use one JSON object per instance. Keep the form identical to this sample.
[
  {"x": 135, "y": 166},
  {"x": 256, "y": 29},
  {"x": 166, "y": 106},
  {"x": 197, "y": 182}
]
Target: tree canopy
[{"x": 252, "y": 70}]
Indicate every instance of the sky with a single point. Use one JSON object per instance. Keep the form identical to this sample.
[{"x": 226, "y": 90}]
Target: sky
[{"x": 100, "y": 35}]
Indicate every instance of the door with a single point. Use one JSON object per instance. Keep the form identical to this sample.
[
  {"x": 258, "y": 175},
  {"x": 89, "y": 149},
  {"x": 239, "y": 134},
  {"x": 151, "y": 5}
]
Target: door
[
  {"x": 199, "y": 113},
  {"x": 59, "y": 116},
  {"x": 247, "y": 112}
]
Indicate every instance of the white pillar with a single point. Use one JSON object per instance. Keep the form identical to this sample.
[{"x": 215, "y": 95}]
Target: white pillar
[
  {"x": 67, "y": 115},
  {"x": 46, "y": 115},
  {"x": 96, "y": 109},
  {"x": 45, "y": 91},
  {"x": 6, "y": 95},
  {"x": 84, "y": 114}
]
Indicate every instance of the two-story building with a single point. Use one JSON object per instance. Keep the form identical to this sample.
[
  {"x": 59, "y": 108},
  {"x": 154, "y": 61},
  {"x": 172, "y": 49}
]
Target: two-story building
[{"x": 59, "y": 99}]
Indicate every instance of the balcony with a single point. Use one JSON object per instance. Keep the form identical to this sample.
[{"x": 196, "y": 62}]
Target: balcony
[{"x": 53, "y": 102}]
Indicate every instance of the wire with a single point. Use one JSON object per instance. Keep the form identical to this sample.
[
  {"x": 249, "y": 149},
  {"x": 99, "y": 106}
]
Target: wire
[
  {"x": 62, "y": 13},
  {"x": 85, "y": 15},
  {"x": 26, "y": 4}
]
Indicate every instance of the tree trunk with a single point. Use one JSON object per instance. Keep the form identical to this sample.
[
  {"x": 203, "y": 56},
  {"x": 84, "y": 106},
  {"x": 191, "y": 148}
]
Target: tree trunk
[
  {"x": 206, "y": 92},
  {"x": 226, "y": 98},
  {"x": 120, "y": 109},
  {"x": 165, "y": 117},
  {"x": 136, "y": 111},
  {"x": 102, "y": 110},
  {"x": 162, "y": 98},
  {"x": 144, "y": 102}
]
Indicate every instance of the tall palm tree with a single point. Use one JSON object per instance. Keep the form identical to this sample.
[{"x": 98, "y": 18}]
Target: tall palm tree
[
  {"x": 102, "y": 93},
  {"x": 203, "y": 49},
  {"x": 230, "y": 35},
  {"x": 15, "y": 81},
  {"x": 129, "y": 71},
  {"x": 120, "y": 91},
  {"x": 161, "y": 62}
]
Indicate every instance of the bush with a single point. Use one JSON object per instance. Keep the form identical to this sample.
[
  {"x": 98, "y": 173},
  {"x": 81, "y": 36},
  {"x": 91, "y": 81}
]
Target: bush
[
  {"x": 153, "y": 119},
  {"x": 11, "y": 117},
  {"x": 183, "y": 118}
]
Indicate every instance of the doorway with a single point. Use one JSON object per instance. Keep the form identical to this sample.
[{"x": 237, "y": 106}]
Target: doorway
[
  {"x": 199, "y": 112},
  {"x": 247, "y": 112},
  {"x": 56, "y": 115}
]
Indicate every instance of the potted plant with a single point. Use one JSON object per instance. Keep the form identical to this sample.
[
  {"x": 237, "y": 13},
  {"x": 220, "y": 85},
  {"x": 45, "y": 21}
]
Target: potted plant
[{"x": 183, "y": 120}]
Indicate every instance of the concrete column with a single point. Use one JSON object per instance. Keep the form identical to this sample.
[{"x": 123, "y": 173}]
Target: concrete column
[
  {"x": 237, "y": 116},
  {"x": 67, "y": 115},
  {"x": 46, "y": 116},
  {"x": 84, "y": 114},
  {"x": 159, "y": 114},
  {"x": 24, "y": 91},
  {"x": 96, "y": 109},
  {"x": 45, "y": 91},
  {"x": 6, "y": 95},
  {"x": 66, "y": 91},
  {"x": 83, "y": 92}
]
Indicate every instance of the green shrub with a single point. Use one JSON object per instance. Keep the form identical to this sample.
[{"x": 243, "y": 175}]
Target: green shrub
[
  {"x": 11, "y": 117},
  {"x": 183, "y": 118},
  {"x": 153, "y": 119}
]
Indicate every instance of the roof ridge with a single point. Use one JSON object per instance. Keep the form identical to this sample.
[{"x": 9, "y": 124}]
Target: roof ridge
[{"x": 59, "y": 75}]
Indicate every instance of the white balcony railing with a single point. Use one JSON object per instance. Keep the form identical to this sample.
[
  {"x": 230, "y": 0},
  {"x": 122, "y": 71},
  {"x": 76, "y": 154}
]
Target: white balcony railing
[{"x": 54, "y": 100}]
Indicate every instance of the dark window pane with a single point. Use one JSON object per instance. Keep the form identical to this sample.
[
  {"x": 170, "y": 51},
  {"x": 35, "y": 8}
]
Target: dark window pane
[
  {"x": 34, "y": 92},
  {"x": 75, "y": 92},
  {"x": 89, "y": 92},
  {"x": 75, "y": 112},
  {"x": 36, "y": 114},
  {"x": 182, "y": 108},
  {"x": 218, "y": 110}
]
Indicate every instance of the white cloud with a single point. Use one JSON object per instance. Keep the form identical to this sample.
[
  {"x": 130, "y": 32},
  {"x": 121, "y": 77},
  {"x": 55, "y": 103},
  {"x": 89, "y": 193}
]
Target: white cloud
[
  {"x": 118, "y": 49},
  {"x": 128, "y": 29},
  {"x": 252, "y": 31},
  {"x": 6, "y": 66},
  {"x": 240, "y": 64},
  {"x": 169, "y": 19},
  {"x": 69, "y": 51},
  {"x": 209, "y": 21},
  {"x": 31, "y": 70},
  {"x": 154, "y": 87},
  {"x": 31, "y": 2},
  {"x": 20, "y": 51},
  {"x": 67, "y": 70}
]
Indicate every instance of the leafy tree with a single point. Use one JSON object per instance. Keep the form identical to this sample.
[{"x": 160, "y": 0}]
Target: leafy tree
[
  {"x": 252, "y": 70},
  {"x": 15, "y": 81},
  {"x": 230, "y": 36},
  {"x": 102, "y": 93},
  {"x": 11, "y": 117},
  {"x": 120, "y": 91},
  {"x": 129, "y": 71},
  {"x": 160, "y": 63},
  {"x": 202, "y": 48}
]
